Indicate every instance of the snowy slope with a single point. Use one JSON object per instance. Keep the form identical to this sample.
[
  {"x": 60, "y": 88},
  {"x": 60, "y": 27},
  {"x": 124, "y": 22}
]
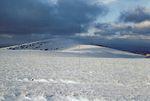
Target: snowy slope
[
  {"x": 99, "y": 51},
  {"x": 48, "y": 45},
  {"x": 44, "y": 76},
  {"x": 69, "y": 47}
]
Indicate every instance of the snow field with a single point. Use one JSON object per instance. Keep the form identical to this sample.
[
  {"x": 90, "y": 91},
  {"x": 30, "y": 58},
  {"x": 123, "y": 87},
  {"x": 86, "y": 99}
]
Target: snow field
[{"x": 46, "y": 76}]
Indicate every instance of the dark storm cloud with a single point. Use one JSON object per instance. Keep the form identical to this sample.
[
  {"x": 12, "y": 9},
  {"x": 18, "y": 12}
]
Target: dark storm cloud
[
  {"x": 108, "y": 29},
  {"x": 137, "y": 15},
  {"x": 119, "y": 30},
  {"x": 39, "y": 16}
]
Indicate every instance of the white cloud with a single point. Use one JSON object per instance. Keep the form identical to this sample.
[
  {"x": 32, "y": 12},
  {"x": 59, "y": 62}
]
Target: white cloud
[
  {"x": 51, "y": 2},
  {"x": 90, "y": 33},
  {"x": 106, "y": 1},
  {"x": 128, "y": 36},
  {"x": 145, "y": 24}
]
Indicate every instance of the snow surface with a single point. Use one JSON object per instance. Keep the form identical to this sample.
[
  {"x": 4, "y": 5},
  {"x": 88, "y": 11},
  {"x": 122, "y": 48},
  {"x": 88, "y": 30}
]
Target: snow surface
[
  {"x": 43, "y": 76},
  {"x": 72, "y": 72}
]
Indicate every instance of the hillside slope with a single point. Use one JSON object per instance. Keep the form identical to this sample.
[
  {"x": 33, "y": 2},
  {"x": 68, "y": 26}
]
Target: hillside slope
[{"x": 69, "y": 47}]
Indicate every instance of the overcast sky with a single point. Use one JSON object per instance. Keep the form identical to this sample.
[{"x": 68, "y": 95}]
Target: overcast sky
[{"x": 23, "y": 20}]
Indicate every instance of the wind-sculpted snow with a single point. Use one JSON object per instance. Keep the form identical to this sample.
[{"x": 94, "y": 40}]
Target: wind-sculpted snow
[{"x": 29, "y": 75}]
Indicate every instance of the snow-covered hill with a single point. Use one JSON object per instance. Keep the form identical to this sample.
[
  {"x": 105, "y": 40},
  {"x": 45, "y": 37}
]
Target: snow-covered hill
[
  {"x": 99, "y": 51},
  {"x": 69, "y": 47},
  {"x": 47, "y": 45}
]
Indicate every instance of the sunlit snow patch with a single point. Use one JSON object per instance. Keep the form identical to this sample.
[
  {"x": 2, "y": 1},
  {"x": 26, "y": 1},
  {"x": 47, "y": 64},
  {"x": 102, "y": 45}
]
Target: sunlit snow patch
[
  {"x": 72, "y": 98},
  {"x": 48, "y": 81},
  {"x": 76, "y": 99},
  {"x": 69, "y": 81},
  {"x": 34, "y": 80}
]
